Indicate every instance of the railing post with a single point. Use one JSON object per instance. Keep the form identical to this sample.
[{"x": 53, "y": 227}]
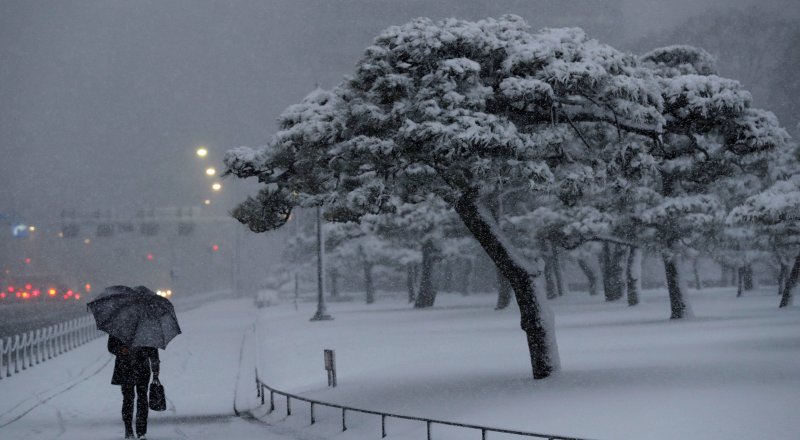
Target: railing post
[
  {"x": 16, "y": 354},
  {"x": 271, "y": 400},
  {"x": 24, "y": 345},
  {"x": 288, "y": 406},
  {"x": 7, "y": 353},
  {"x": 483, "y": 434},
  {"x": 31, "y": 342},
  {"x": 383, "y": 425},
  {"x": 81, "y": 331},
  {"x": 47, "y": 342},
  {"x": 344, "y": 420},
  {"x": 71, "y": 335},
  {"x": 59, "y": 327},
  {"x": 312, "y": 413},
  {"x": 429, "y": 429},
  {"x": 62, "y": 338},
  {"x": 2, "y": 353},
  {"x": 36, "y": 345},
  {"x": 53, "y": 346}
]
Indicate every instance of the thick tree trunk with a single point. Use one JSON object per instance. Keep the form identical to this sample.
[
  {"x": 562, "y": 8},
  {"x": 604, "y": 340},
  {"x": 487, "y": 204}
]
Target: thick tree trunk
[
  {"x": 782, "y": 274},
  {"x": 739, "y": 281},
  {"x": 698, "y": 284},
  {"x": 466, "y": 277},
  {"x": 791, "y": 282},
  {"x": 411, "y": 281},
  {"x": 503, "y": 291},
  {"x": 633, "y": 272},
  {"x": 612, "y": 273},
  {"x": 586, "y": 267},
  {"x": 334, "y": 275},
  {"x": 549, "y": 273},
  {"x": 536, "y": 319},
  {"x": 678, "y": 304},
  {"x": 749, "y": 281},
  {"x": 369, "y": 286},
  {"x": 426, "y": 295},
  {"x": 561, "y": 288}
]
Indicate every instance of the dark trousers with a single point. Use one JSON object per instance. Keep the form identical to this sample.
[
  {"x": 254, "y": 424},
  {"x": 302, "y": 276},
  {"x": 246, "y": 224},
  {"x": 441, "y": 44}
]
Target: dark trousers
[{"x": 141, "y": 408}]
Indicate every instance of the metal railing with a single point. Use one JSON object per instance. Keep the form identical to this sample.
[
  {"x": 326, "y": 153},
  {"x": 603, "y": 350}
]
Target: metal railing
[
  {"x": 262, "y": 389},
  {"x": 33, "y": 347}
]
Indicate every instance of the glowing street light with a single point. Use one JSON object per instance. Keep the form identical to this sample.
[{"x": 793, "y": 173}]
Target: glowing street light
[
  {"x": 210, "y": 171},
  {"x": 216, "y": 186},
  {"x": 202, "y": 152},
  {"x": 206, "y": 202},
  {"x": 32, "y": 228}
]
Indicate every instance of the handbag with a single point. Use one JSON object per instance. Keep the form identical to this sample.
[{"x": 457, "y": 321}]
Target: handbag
[{"x": 157, "y": 400}]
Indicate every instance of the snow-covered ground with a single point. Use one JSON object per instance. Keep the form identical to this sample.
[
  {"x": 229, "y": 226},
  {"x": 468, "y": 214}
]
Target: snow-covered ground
[
  {"x": 628, "y": 373},
  {"x": 733, "y": 372},
  {"x": 70, "y": 397}
]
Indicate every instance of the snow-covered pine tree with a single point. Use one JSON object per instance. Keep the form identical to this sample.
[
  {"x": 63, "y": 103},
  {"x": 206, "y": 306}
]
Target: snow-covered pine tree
[
  {"x": 710, "y": 132},
  {"x": 463, "y": 110},
  {"x": 778, "y": 211}
]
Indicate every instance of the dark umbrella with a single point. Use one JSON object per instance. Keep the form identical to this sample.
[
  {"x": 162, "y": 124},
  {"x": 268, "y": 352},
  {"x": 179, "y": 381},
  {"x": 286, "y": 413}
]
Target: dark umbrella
[{"x": 136, "y": 316}]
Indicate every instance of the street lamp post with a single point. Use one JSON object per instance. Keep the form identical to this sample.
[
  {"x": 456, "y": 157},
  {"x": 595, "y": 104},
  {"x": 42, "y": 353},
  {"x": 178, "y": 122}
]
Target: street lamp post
[{"x": 322, "y": 313}]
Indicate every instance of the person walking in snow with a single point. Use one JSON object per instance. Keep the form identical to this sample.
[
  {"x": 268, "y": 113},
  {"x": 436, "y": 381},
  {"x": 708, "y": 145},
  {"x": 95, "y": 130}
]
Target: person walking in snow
[{"x": 132, "y": 372}]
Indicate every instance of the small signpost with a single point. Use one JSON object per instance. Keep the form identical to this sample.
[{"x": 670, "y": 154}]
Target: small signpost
[{"x": 330, "y": 367}]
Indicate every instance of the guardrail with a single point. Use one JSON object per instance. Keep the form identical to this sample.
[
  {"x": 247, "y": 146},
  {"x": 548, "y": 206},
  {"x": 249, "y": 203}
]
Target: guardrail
[
  {"x": 262, "y": 389},
  {"x": 33, "y": 347}
]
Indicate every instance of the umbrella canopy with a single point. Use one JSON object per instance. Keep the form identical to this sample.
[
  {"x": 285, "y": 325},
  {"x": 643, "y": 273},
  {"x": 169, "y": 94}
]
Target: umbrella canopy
[{"x": 136, "y": 316}]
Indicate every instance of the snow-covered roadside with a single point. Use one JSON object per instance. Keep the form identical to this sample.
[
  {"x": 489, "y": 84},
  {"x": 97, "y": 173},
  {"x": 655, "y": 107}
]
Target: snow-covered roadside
[
  {"x": 70, "y": 397},
  {"x": 628, "y": 373}
]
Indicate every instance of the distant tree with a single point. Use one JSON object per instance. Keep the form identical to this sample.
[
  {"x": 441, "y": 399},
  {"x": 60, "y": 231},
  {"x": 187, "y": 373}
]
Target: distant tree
[
  {"x": 712, "y": 133},
  {"x": 755, "y": 45},
  {"x": 778, "y": 211}
]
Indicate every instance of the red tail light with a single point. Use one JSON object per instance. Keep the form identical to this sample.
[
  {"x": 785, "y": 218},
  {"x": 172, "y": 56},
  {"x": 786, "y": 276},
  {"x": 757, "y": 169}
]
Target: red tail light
[
  {"x": 2, "y": 295},
  {"x": 36, "y": 292},
  {"x": 77, "y": 296},
  {"x": 28, "y": 286},
  {"x": 11, "y": 289}
]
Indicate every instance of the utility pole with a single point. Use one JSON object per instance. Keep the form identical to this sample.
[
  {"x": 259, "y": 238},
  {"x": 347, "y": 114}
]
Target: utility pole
[{"x": 322, "y": 313}]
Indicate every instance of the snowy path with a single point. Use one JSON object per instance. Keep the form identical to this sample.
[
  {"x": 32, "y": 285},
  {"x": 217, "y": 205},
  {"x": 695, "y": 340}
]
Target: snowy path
[{"x": 70, "y": 397}]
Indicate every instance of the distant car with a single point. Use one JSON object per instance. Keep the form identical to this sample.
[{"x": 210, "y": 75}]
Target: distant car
[
  {"x": 166, "y": 293},
  {"x": 267, "y": 298},
  {"x": 33, "y": 288}
]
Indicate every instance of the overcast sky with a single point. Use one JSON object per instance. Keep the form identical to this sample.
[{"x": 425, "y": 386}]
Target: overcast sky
[{"x": 102, "y": 103}]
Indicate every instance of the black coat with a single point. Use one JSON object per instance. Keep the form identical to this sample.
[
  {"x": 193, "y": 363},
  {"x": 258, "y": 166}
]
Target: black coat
[{"x": 134, "y": 367}]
